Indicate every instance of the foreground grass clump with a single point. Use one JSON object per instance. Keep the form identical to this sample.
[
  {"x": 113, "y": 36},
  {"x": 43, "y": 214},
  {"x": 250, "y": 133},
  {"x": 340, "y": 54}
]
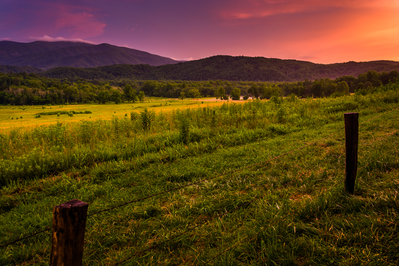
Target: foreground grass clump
[{"x": 248, "y": 209}]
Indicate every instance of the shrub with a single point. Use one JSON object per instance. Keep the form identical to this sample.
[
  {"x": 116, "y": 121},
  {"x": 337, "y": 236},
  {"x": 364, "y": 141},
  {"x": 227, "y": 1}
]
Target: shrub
[{"x": 146, "y": 119}]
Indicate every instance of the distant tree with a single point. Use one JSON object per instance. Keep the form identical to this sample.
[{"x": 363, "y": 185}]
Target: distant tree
[
  {"x": 374, "y": 78},
  {"x": 71, "y": 94},
  {"x": 329, "y": 87},
  {"x": 141, "y": 96},
  {"x": 251, "y": 92},
  {"x": 103, "y": 96},
  {"x": 254, "y": 91},
  {"x": 360, "y": 86},
  {"x": 236, "y": 94},
  {"x": 194, "y": 93},
  {"x": 368, "y": 85},
  {"x": 220, "y": 92},
  {"x": 150, "y": 88},
  {"x": 116, "y": 96},
  {"x": 182, "y": 95},
  {"x": 129, "y": 93},
  {"x": 393, "y": 76},
  {"x": 342, "y": 88},
  {"x": 317, "y": 88},
  {"x": 269, "y": 91}
]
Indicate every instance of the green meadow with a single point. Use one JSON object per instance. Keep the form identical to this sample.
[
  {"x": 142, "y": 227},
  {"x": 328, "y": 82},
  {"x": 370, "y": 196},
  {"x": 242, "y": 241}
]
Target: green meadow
[
  {"x": 24, "y": 117},
  {"x": 250, "y": 183}
]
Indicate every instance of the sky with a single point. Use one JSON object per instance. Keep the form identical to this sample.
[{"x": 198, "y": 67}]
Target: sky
[{"x": 320, "y": 31}]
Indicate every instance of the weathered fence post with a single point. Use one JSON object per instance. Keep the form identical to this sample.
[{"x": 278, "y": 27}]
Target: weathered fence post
[
  {"x": 351, "y": 144},
  {"x": 69, "y": 222}
]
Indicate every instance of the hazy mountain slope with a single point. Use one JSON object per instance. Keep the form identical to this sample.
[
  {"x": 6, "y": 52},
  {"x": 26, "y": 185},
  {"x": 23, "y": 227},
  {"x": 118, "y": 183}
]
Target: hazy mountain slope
[
  {"x": 10, "y": 50},
  {"x": 46, "y": 55},
  {"x": 17, "y": 69},
  {"x": 227, "y": 68}
]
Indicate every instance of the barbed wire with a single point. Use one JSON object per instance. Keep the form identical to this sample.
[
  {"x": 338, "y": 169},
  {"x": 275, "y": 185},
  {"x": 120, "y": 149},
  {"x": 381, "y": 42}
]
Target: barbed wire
[
  {"x": 274, "y": 221},
  {"x": 380, "y": 138},
  {"x": 180, "y": 187},
  {"x": 245, "y": 205},
  {"x": 26, "y": 237},
  {"x": 394, "y": 147},
  {"x": 213, "y": 177},
  {"x": 269, "y": 225},
  {"x": 378, "y": 116}
]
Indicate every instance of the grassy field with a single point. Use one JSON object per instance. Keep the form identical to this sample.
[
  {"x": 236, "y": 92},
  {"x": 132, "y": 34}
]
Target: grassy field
[
  {"x": 259, "y": 183},
  {"x": 25, "y": 116}
]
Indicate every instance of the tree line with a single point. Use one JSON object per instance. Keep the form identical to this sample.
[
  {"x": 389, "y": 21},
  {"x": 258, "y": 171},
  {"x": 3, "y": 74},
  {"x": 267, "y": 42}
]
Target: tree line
[{"x": 34, "y": 89}]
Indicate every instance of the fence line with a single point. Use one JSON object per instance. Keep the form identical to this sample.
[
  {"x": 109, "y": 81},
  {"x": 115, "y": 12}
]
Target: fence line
[
  {"x": 242, "y": 240},
  {"x": 379, "y": 157},
  {"x": 383, "y": 137},
  {"x": 26, "y": 237},
  {"x": 274, "y": 221},
  {"x": 392, "y": 110},
  {"x": 214, "y": 177},
  {"x": 245, "y": 205},
  {"x": 181, "y": 187}
]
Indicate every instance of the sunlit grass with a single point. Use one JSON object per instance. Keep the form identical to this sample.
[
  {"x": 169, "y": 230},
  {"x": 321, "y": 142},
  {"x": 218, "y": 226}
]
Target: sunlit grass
[{"x": 10, "y": 116}]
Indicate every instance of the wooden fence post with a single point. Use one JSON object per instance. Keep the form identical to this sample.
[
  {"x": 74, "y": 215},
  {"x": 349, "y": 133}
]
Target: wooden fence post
[
  {"x": 69, "y": 222},
  {"x": 351, "y": 144}
]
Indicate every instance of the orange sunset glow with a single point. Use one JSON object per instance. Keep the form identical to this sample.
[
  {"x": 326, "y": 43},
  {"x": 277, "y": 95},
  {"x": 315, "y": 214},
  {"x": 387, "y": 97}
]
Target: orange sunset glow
[{"x": 311, "y": 30}]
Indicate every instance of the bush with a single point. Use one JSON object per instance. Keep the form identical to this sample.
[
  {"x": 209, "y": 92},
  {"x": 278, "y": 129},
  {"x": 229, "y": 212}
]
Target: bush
[{"x": 146, "y": 119}]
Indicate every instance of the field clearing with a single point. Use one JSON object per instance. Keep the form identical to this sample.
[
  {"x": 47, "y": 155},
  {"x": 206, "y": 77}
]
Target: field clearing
[
  {"x": 24, "y": 116},
  {"x": 258, "y": 183}
]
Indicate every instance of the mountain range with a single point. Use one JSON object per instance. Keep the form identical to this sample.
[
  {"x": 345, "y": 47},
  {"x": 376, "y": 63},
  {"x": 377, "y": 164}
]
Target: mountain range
[
  {"x": 104, "y": 61},
  {"x": 47, "y": 55},
  {"x": 231, "y": 68}
]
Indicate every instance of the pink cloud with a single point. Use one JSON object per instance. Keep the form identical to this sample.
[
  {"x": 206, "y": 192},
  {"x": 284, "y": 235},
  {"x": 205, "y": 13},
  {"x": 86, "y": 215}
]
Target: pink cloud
[
  {"x": 246, "y": 9},
  {"x": 79, "y": 24},
  {"x": 40, "y": 18}
]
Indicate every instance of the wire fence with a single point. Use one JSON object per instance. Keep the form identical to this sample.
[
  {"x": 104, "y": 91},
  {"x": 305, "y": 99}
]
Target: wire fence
[
  {"x": 255, "y": 199},
  {"x": 262, "y": 164},
  {"x": 184, "y": 186},
  {"x": 274, "y": 221}
]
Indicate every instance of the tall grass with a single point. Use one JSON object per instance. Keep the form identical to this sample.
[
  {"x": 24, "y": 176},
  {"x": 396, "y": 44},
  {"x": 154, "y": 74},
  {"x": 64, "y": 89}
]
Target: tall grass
[{"x": 55, "y": 148}]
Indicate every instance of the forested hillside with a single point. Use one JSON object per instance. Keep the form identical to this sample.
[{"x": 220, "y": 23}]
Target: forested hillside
[
  {"x": 227, "y": 68},
  {"x": 47, "y": 55}
]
